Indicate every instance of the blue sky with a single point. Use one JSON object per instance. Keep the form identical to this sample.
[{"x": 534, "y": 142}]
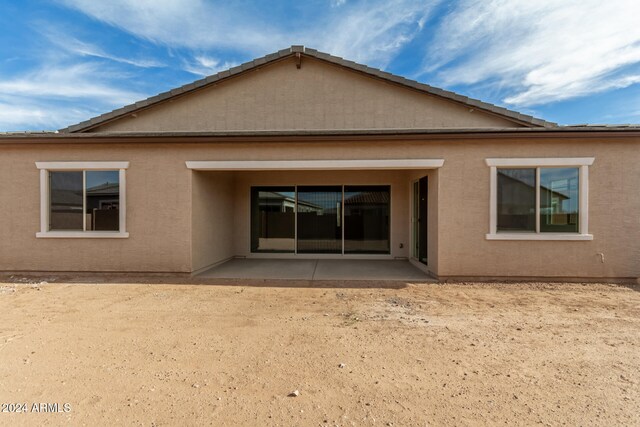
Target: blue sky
[{"x": 567, "y": 61}]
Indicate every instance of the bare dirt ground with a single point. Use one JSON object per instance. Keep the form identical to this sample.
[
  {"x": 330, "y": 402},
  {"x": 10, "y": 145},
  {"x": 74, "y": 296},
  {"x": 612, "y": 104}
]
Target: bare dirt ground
[{"x": 455, "y": 354}]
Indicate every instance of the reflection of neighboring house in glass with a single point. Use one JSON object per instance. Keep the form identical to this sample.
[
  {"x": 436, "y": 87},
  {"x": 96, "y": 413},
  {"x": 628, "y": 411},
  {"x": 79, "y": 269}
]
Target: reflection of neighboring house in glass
[
  {"x": 103, "y": 203},
  {"x": 521, "y": 191},
  {"x": 278, "y": 202},
  {"x": 367, "y": 219},
  {"x": 366, "y": 201},
  {"x": 558, "y": 198},
  {"x": 103, "y": 196},
  {"x": 557, "y": 205},
  {"x": 66, "y": 200}
]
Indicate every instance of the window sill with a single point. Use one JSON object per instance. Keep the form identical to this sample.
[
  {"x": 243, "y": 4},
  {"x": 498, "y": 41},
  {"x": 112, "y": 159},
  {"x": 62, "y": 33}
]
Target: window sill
[
  {"x": 540, "y": 236},
  {"x": 83, "y": 235}
]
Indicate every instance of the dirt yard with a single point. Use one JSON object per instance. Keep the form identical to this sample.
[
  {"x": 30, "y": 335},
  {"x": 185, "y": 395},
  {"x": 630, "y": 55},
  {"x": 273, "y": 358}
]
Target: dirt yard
[{"x": 455, "y": 354}]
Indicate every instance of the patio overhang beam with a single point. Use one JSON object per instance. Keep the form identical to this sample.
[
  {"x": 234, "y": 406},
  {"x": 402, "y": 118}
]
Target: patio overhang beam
[{"x": 256, "y": 165}]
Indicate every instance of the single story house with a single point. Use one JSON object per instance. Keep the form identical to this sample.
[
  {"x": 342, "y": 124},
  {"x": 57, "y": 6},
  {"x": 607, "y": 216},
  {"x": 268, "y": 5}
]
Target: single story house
[{"x": 300, "y": 154}]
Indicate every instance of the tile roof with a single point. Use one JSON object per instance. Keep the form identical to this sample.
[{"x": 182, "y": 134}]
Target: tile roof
[
  {"x": 104, "y": 188},
  {"x": 303, "y": 51},
  {"x": 367, "y": 198}
]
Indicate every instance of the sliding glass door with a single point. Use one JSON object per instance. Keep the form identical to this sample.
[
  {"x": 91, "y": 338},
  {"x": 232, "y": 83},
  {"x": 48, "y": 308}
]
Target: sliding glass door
[
  {"x": 320, "y": 220},
  {"x": 325, "y": 219},
  {"x": 273, "y": 219},
  {"x": 366, "y": 219}
]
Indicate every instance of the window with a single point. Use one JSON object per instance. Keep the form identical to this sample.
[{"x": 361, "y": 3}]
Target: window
[
  {"x": 516, "y": 200},
  {"x": 559, "y": 200},
  {"x": 539, "y": 199},
  {"x": 82, "y": 199}
]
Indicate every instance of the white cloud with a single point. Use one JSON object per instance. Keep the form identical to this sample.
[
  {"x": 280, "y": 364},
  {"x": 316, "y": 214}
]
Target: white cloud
[
  {"x": 203, "y": 65},
  {"x": 58, "y": 95},
  {"x": 79, "y": 47},
  {"x": 195, "y": 24},
  {"x": 361, "y": 30},
  {"x": 11, "y": 115},
  {"x": 38, "y": 115},
  {"x": 374, "y": 33},
  {"x": 541, "y": 51},
  {"x": 68, "y": 82}
]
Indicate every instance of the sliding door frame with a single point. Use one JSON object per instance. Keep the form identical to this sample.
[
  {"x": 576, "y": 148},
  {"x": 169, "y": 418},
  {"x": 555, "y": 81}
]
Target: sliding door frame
[
  {"x": 414, "y": 215},
  {"x": 295, "y": 253}
]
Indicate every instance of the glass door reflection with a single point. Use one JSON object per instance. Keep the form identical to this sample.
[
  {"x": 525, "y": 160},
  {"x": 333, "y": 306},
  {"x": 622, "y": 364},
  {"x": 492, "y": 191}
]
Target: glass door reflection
[
  {"x": 366, "y": 218},
  {"x": 273, "y": 219},
  {"x": 319, "y": 220}
]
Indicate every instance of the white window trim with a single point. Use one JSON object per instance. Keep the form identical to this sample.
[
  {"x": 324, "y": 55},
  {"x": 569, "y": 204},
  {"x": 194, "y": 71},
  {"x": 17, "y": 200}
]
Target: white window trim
[
  {"x": 582, "y": 163},
  {"x": 46, "y": 167}
]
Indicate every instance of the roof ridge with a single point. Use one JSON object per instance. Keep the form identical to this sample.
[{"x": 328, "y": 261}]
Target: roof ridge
[{"x": 294, "y": 49}]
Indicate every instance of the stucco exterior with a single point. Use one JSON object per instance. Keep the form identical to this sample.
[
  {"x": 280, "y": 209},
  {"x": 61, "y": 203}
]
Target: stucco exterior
[
  {"x": 316, "y": 96},
  {"x": 212, "y": 218},
  {"x": 181, "y": 220}
]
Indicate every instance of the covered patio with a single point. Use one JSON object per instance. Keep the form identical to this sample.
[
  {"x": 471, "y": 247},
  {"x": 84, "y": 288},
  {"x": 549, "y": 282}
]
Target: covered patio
[
  {"x": 295, "y": 218},
  {"x": 317, "y": 270}
]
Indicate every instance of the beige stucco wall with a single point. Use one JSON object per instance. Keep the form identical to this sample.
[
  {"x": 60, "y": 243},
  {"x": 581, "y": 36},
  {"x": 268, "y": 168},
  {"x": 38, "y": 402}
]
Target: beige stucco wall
[
  {"x": 212, "y": 218},
  {"x": 317, "y": 96},
  {"x": 159, "y": 196},
  {"x": 614, "y": 213},
  {"x": 160, "y": 203}
]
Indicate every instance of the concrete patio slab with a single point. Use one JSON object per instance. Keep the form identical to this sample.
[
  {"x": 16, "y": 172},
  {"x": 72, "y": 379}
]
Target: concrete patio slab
[
  {"x": 358, "y": 269},
  {"x": 317, "y": 269},
  {"x": 239, "y": 268}
]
